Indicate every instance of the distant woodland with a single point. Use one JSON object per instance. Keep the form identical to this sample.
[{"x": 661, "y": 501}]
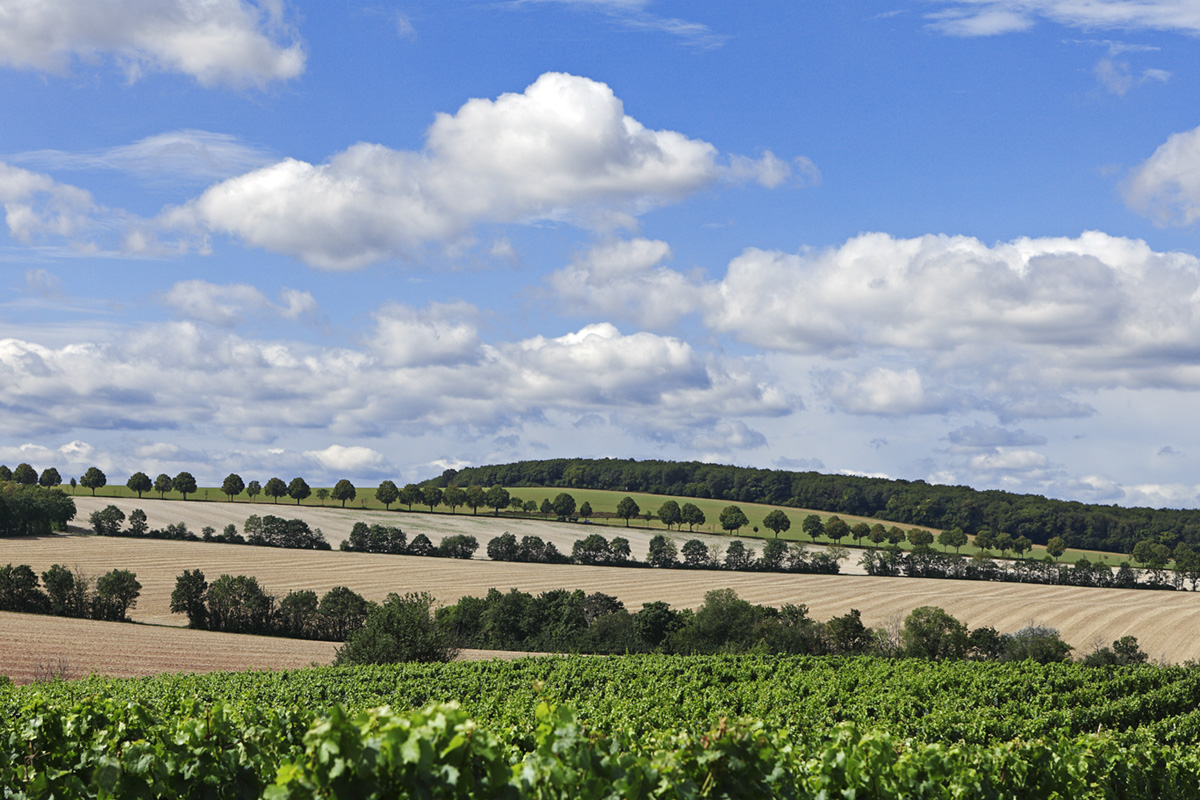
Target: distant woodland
[{"x": 1082, "y": 525}]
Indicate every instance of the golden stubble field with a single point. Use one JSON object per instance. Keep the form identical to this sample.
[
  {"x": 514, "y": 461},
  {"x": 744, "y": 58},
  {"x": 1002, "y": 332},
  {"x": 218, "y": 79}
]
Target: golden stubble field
[{"x": 1164, "y": 622}]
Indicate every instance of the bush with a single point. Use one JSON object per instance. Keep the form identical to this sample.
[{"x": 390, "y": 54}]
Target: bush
[{"x": 402, "y": 629}]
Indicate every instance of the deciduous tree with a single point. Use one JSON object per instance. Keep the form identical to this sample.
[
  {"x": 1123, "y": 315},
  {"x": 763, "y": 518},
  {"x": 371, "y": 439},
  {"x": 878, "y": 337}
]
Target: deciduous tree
[
  {"x": 627, "y": 509},
  {"x": 184, "y": 483},
  {"x": 49, "y": 478},
  {"x": 670, "y": 513},
  {"x": 387, "y": 493},
  {"x": 139, "y": 482},
  {"x": 93, "y": 479},
  {"x": 344, "y": 490},
  {"x": 691, "y": 514},
  {"x": 232, "y": 486},
  {"x": 298, "y": 489},
  {"x": 777, "y": 522},
  {"x": 732, "y": 519},
  {"x": 25, "y": 475},
  {"x": 162, "y": 484},
  {"x": 275, "y": 489}
]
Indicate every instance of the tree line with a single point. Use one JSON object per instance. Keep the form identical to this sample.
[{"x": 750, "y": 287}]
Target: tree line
[
  {"x": 239, "y": 604},
  {"x": 412, "y": 628},
  {"x": 64, "y": 592},
  {"x": 33, "y": 510},
  {"x": 1081, "y": 525}
]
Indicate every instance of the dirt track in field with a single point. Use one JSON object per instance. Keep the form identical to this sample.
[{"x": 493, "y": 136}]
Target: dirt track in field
[{"x": 1166, "y": 623}]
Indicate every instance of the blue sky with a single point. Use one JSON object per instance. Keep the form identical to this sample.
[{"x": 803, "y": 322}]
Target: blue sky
[{"x": 953, "y": 240}]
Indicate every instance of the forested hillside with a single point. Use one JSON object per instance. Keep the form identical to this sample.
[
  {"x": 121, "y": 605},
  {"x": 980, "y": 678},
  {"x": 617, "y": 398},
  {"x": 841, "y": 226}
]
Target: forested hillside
[{"x": 1082, "y": 525}]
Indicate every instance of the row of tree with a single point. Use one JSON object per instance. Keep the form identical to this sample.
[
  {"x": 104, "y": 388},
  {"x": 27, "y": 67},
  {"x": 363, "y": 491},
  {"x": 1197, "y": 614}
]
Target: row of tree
[
  {"x": 262, "y": 531},
  {"x": 1081, "y": 525},
  {"x": 65, "y": 592},
  {"x": 239, "y": 604},
  {"x": 412, "y": 628}
]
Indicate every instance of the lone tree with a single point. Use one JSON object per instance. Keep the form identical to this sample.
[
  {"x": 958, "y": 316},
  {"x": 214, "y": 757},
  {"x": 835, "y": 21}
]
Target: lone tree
[
  {"x": 733, "y": 519},
  {"x": 139, "y": 482},
  {"x": 777, "y": 521},
  {"x": 387, "y": 493},
  {"x": 298, "y": 490},
  {"x": 233, "y": 485},
  {"x": 93, "y": 479},
  {"x": 184, "y": 483},
  {"x": 162, "y": 484},
  {"x": 275, "y": 489},
  {"x": 627, "y": 509},
  {"x": 50, "y": 478},
  {"x": 344, "y": 490}
]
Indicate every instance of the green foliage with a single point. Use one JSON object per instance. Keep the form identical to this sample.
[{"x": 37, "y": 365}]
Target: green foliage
[
  {"x": 232, "y": 486},
  {"x": 107, "y": 521},
  {"x": 298, "y": 490},
  {"x": 25, "y": 475},
  {"x": 777, "y": 522},
  {"x": 732, "y": 519},
  {"x": 93, "y": 479},
  {"x": 403, "y": 628},
  {"x": 915, "y": 503},
  {"x": 627, "y": 509},
  {"x": 139, "y": 482},
  {"x": 191, "y": 597},
  {"x": 162, "y": 484},
  {"x": 184, "y": 483},
  {"x": 387, "y": 493},
  {"x": 344, "y": 490}
]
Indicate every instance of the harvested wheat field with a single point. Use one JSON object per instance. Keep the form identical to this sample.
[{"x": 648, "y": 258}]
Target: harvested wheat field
[
  {"x": 35, "y": 648},
  {"x": 1164, "y": 622},
  {"x": 335, "y": 523}
]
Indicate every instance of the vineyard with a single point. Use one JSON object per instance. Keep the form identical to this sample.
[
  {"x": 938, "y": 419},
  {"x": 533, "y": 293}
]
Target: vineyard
[{"x": 638, "y": 726}]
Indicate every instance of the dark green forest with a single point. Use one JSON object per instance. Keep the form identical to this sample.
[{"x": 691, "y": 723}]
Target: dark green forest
[{"x": 1082, "y": 525}]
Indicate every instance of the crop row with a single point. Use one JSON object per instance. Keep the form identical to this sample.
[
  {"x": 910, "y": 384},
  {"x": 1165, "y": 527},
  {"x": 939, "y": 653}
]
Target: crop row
[
  {"x": 974, "y": 703},
  {"x": 105, "y": 748}
]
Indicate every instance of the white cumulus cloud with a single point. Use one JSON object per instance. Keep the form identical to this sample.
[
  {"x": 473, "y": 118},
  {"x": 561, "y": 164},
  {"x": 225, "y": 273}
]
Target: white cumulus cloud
[
  {"x": 217, "y": 42},
  {"x": 1166, "y": 187},
  {"x": 564, "y": 149}
]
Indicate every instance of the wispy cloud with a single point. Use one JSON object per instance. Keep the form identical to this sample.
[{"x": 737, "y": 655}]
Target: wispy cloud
[
  {"x": 189, "y": 155},
  {"x": 633, "y": 14}
]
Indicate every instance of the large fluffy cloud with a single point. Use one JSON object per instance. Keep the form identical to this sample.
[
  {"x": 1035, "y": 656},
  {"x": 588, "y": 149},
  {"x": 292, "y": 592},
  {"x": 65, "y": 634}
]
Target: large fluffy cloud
[
  {"x": 194, "y": 377},
  {"x": 231, "y": 42},
  {"x": 990, "y": 17},
  {"x": 563, "y": 149},
  {"x": 941, "y": 324},
  {"x": 1166, "y": 187}
]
